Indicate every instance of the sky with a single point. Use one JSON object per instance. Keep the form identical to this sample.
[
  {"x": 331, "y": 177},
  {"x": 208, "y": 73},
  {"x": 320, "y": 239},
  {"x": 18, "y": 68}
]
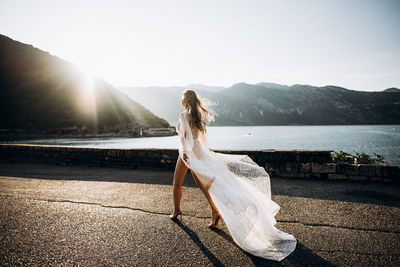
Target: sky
[{"x": 350, "y": 43}]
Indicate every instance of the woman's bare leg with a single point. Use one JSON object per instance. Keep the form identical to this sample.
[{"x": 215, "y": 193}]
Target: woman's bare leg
[
  {"x": 205, "y": 192},
  {"x": 179, "y": 176}
]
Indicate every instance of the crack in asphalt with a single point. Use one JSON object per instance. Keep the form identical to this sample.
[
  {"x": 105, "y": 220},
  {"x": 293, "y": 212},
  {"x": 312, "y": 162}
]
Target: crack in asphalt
[
  {"x": 102, "y": 205},
  {"x": 204, "y": 217},
  {"x": 352, "y": 252},
  {"x": 116, "y": 207},
  {"x": 341, "y": 227}
]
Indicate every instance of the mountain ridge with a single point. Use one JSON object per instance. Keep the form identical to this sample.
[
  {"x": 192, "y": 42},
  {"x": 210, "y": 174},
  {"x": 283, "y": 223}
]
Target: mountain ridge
[
  {"x": 42, "y": 95},
  {"x": 275, "y": 104}
]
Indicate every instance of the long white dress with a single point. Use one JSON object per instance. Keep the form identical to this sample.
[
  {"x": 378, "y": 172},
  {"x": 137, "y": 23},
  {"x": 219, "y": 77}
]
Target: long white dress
[{"x": 242, "y": 193}]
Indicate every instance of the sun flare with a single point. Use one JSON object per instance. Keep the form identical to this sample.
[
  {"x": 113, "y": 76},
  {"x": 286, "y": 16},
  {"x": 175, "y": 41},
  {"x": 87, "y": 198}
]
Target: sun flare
[{"x": 87, "y": 96}]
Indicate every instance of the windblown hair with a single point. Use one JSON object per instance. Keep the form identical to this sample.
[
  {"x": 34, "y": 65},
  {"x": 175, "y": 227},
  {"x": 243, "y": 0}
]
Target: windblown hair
[{"x": 194, "y": 105}]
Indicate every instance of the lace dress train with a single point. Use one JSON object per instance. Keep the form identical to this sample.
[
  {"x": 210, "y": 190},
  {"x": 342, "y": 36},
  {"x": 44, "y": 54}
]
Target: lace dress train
[{"x": 242, "y": 193}]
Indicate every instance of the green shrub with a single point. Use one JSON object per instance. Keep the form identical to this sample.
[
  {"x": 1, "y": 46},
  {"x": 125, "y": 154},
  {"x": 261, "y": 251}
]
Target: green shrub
[
  {"x": 362, "y": 156},
  {"x": 378, "y": 158},
  {"x": 340, "y": 155}
]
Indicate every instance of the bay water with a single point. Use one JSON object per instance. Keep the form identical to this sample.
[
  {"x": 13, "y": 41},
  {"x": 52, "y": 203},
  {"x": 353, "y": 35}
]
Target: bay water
[{"x": 381, "y": 139}]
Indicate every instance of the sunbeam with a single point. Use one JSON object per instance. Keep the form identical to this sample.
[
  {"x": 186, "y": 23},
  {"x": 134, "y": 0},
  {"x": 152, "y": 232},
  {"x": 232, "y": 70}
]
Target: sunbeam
[{"x": 87, "y": 97}]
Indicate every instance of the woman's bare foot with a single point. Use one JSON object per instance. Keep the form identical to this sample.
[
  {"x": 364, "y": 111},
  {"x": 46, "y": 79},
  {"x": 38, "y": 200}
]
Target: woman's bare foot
[
  {"x": 175, "y": 215},
  {"x": 215, "y": 219}
]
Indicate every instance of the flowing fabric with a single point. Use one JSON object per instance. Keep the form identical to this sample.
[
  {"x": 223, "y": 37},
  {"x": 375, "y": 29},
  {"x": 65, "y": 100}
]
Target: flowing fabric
[{"x": 241, "y": 191}]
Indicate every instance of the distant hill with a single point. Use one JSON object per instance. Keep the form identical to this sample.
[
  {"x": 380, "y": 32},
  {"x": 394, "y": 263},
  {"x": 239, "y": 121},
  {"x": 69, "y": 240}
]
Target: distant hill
[
  {"x": 275, "y": 104},
  {"x": 162, "y": 101},
  {"x": 42, "y": 95},
  {"x": 205, "y": 87}
]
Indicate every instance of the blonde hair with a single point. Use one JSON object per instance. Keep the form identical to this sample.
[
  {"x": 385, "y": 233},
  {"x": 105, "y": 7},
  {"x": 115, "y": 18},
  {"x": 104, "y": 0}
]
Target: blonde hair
[{"x": 194, "y": 105}]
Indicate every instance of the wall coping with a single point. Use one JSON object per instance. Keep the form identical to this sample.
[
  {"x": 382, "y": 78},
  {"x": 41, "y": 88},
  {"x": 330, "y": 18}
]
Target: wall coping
[
  {"x": 123, "y": 148},
  {"x": 292, "y": 163}
]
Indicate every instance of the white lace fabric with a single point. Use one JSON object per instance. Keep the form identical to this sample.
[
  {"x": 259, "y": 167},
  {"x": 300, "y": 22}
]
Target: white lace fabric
[{"x": 242, "y": 193}]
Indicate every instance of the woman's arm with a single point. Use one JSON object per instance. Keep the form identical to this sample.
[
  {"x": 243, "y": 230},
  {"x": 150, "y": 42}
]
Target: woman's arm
[{"x": 185, "y": 136}]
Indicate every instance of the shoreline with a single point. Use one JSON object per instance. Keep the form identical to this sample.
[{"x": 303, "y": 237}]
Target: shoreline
[{"x": 13, "y": 138}]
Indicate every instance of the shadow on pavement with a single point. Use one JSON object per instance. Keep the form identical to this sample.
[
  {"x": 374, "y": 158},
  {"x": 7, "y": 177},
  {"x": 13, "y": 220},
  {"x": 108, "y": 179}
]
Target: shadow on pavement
[
  {"x": 198, "y": 242},
  {"x": 88, "y": 173},
  {"x": 302, "y": 256},
  {"x": 377, "y": 193},
  {"x": 350, "y": 191}
]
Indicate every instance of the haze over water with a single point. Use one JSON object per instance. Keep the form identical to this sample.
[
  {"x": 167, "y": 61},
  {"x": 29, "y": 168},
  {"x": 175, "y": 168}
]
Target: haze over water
[{"x": 381, "y": 139}]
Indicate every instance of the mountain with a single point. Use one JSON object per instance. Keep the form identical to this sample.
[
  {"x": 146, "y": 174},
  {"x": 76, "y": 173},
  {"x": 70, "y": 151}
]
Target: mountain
[
  {"x": 203, "y": 87},
  {"x": 42, "y": 95},
  {"x": 163, "y": 101},
  {"x": 275, "y": 104}
]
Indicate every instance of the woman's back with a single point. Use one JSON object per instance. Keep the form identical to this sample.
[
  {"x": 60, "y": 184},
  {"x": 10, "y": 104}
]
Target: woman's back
[
  {"x": 199, "y": 140},
  {"x": 195, "y": 131}
]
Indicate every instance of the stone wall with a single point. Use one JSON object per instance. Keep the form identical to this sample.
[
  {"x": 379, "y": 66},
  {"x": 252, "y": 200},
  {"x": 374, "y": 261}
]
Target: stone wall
[{"x": 282, "y": 163}]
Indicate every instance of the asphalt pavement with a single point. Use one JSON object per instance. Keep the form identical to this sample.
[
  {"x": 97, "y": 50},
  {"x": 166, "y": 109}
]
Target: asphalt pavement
[{"x": 92, "y": 216}]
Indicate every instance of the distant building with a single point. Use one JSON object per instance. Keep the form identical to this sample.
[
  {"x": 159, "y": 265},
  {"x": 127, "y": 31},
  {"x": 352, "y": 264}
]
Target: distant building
[{"x": 159, "y": 131}]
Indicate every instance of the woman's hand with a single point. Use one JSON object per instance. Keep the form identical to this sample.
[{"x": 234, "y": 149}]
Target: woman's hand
[{"x": 185, "y": 157}]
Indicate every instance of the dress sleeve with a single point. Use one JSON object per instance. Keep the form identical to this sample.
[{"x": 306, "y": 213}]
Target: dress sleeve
[
  {"x": 204, "y": 140},
  {"x": 185, "y": 134}
]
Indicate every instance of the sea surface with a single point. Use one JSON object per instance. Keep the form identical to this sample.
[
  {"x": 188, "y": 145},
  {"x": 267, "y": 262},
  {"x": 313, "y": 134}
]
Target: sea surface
[{"x": 381, "y": 139}]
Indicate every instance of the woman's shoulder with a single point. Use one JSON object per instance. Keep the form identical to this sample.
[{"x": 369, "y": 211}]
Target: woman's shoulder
[{"x": 182, "y": 114}]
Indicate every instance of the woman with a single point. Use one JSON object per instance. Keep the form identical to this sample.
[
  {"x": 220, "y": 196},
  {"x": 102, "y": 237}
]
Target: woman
[{"x": 235, "y": 186}]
